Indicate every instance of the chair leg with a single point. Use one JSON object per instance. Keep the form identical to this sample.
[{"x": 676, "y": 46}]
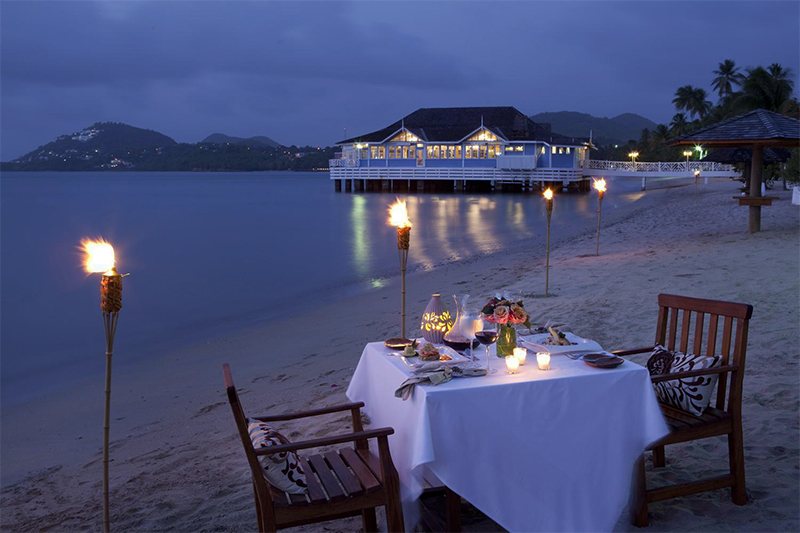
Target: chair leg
[
  {"x": 659, "y": 459},
  {"x": 638, "y": 500},
  {"x": 452, "y": 502},
  {"x": 369, "y": 521},
  {"x": 736, "y": 458},
  {"x": 258, "y": 510}
]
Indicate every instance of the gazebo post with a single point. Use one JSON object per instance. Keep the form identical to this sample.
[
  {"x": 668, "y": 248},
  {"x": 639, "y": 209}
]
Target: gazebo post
[{"x": 756, "y": 169}]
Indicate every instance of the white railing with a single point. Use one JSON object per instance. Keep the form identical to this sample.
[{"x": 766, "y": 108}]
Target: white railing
[
  {"x": 343, "y": 163},
  {"x": 412, "y": 173},
  {"x": 669, "y": 166}
]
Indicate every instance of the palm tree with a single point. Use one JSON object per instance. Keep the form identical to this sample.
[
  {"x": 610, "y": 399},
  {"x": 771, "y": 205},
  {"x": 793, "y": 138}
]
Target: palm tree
[
  {"x": 698, "y": 103},
  {"x": 728, "y": 75},
  {"x": 679, "y": 125},
  {"x": 769, "y": 88},
  {"x": 682, "y": 97},
  {"x": 659, "y": 136}
]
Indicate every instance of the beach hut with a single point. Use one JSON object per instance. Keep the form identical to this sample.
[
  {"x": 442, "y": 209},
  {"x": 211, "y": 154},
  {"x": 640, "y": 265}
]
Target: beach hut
[{"x": 757, "y": 130}]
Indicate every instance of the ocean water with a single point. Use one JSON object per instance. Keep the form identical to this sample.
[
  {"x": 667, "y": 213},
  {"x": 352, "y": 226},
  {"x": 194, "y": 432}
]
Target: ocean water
[{"x": 208, "y": 252}]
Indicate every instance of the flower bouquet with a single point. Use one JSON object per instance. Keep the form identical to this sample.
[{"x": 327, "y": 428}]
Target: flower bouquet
[{"x": 505, "y": 312}]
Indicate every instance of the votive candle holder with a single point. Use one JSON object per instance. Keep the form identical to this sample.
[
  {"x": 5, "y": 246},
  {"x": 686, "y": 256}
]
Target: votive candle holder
[{"x": 543, "y": 360}]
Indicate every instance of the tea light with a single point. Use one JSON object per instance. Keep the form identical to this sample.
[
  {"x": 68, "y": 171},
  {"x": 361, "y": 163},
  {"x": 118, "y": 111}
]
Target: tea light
[
  {"x": 512, "y": 364},
  {"x": 521, "y": 354},
  {"x": 543, "y": 360}
]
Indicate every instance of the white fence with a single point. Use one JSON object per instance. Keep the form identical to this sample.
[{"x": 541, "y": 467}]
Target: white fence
[
  {"x": 670, "y": 166},
  {"x": 412, "y": 173}
]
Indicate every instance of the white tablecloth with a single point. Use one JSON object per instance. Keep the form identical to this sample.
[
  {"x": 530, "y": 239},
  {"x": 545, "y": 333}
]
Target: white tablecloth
[{"x": 535, "y": 451}]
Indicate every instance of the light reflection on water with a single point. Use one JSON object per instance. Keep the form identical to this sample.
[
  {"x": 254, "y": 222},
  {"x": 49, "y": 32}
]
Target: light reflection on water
[{"x": 249, "y": 247}]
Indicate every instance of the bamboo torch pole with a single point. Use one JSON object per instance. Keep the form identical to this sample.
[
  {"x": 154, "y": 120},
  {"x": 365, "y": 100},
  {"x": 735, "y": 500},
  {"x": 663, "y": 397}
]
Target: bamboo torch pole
[
  {"x": 111, "y": 303},
  {"x": 548, "y": 196},
  {"x": 398, "y": 217},
  {"x": 100, "y": 258},
  {"x": 600, "y": 185}
]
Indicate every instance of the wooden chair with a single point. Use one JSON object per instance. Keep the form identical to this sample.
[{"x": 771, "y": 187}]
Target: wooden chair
[
  {"x": 721, "y": 417},
  {"x": 341, "y": 483}
]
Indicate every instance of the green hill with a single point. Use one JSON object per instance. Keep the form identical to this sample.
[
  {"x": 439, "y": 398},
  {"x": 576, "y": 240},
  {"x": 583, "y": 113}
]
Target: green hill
[
  {"x": 605, "y": 131},
  {"x": 221, "y": 138},
  {"x": 114, "y": 146}
]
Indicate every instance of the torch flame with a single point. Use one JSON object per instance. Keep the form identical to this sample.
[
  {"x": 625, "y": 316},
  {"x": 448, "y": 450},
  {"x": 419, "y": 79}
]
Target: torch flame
[
  {"x": 398, "y": 215},
  {"x": 99, "y": 255},
  {"x": 600, "y": 185},
  {"x": 548, "y": 194}
]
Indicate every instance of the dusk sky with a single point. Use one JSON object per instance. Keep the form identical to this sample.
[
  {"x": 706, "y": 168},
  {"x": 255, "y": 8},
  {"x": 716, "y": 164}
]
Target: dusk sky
[{"x": 300, "y": 72}]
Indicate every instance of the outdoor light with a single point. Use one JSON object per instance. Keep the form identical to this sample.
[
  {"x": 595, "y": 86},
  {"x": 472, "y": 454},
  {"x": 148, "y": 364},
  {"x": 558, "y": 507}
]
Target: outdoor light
[
  {"x": 633, "y": 156},
  {"x": 436, "y": 321},
  {"x": 600, "y": 185},
  {"x": 548, "y": 196},
  {"x": 100, "y": 258},
  {"x": 398, "y": 217}
]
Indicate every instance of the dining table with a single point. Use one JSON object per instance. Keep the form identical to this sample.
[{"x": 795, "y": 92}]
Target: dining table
[{"x": 537, "y": 450}]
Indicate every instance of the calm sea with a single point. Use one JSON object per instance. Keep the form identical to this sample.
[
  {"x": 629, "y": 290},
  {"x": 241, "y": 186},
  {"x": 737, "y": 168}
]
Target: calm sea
[{"x": 210, "y": 251}]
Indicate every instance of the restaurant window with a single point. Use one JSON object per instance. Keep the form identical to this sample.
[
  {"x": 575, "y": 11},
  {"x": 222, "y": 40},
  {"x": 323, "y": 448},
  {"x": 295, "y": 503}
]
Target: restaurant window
[
  {"x": 404, "y": 136},
  {"x": 381, "y": 152},
  {"x": 458, "y": 152},
  {"x": 553, "y": 150},
  {"x": 543, "y": 150},
  {"x": 567, "y": 149},
  {"x": 391, "y": 152},
  {"x": 560, "y": 149},
  {"x": 405, "y": 152},
  {"x": 509, "y": 148},
  {"x": 467, "y": 152},
  {"x": 483, "y": 135},
  {"x": 412, "y": 152},
  {"x": 519, "y": 148},
  {"x": 373, "y": 152},
  {"x": 483, "y": 151},
  {"x": 491, "y": 152}
]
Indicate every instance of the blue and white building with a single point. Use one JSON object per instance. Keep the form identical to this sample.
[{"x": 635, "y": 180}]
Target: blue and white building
[{"x": 462, "y": 143}]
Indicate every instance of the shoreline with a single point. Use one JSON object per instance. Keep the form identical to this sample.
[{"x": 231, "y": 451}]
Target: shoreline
[{"x": 172, "y": 412}]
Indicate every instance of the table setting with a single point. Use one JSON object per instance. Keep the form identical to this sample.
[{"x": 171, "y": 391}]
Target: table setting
[{"x": 535, "y": 426}]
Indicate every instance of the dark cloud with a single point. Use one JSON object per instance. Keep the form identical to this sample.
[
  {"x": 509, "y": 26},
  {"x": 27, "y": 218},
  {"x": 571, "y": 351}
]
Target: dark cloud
[{"x": 301, "y": 71}]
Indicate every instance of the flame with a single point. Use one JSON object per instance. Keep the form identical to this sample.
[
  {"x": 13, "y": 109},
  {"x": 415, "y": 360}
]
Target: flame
[
  {"x": 99, "y": 255},
  {"x": 398, "y": 215},
  {"x": 600, "y": 185},
  {"x": 548, "y": 194}
]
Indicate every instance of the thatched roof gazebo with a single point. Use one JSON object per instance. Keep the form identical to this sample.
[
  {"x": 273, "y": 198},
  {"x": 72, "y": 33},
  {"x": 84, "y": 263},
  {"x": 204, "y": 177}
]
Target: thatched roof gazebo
[{"x": 757, "y": 130}]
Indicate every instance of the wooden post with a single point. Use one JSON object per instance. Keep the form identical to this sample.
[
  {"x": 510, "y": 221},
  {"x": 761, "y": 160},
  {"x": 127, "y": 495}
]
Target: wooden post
[
  {"x": 756, "y": 169},
  {"x": 337, "y": 184},
  {"x": 348, "y": 185}
]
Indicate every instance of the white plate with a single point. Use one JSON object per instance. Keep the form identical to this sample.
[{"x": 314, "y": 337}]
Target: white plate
[
  {"x": 457, "y": 358},
  {"x": 535, "y": 343}
]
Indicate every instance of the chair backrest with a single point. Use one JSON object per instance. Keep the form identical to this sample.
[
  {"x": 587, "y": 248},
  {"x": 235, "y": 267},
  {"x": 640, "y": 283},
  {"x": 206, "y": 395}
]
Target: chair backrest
[
  {"x": 261, "y": 485},
  {"x": 707, "y": 314}
]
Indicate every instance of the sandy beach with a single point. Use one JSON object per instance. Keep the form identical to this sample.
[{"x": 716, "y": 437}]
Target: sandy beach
[{"x": 177, "y": 462}]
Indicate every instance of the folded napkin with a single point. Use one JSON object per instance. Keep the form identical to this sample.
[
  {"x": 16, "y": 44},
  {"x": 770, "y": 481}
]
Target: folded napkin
[{"x": 435, "y": 373}]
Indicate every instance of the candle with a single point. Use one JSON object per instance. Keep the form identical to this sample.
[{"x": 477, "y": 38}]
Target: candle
[
  {"x": 521, "y": 354},
  {"x": 543, "y": 360},
  {"x": 512, "y": 364}
]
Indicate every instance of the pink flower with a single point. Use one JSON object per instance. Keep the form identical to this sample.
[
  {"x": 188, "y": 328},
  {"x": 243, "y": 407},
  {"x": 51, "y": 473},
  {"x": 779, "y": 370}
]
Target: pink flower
[
  {"x": 501, "y": 314},
  {"x": 518, "y": 314}
]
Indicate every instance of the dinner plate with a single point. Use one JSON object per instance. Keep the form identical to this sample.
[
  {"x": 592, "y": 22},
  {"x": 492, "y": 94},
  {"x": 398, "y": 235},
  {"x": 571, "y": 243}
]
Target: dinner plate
[
  {"x": 603, "y": 361},
  {"x": 536, "y": 343},
  {"x": 397, "y": 343}
]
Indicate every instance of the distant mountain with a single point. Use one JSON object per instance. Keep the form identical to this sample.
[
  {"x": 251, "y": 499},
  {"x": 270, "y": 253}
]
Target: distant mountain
[
  {"x": 616, "y": 130},
  {"x": 114, "y": 146},
  {"x": 221, "y": 138}
]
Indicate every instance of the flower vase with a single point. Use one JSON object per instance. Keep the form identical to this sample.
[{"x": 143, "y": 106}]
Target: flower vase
[{"x": 506, "y": 340}]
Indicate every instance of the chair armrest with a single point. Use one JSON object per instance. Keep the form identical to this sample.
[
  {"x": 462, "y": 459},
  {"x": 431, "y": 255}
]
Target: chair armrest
[
  {"x": 693, "y": 373},
  {"x": 313, "y": 412},
  {"x": 622, "y": 353},
  {"x": 325, "y": 441}
]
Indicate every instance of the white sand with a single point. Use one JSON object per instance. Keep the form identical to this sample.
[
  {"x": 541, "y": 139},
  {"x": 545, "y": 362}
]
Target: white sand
[{"x": 178, "y": 465}]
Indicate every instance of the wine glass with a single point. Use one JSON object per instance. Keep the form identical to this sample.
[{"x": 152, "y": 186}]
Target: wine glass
[
  {"x": 487, "y": 337},
  {"x": 470, "y": 323}
]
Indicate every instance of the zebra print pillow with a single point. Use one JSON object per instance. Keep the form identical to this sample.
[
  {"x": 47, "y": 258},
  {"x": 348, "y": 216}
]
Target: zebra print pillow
[
  {"x": 282, "y": 470},
  {"x": 687, "y": 394}
]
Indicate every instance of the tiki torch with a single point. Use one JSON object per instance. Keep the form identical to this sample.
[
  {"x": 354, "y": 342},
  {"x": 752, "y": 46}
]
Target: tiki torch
[
  {"x": 548, "y": 196},
  {"x": 100, "y": 258},
  {"x": 398, "y": 217},
  {"x": 696, "y": 180},
  {"x": 600, "y": 185}
]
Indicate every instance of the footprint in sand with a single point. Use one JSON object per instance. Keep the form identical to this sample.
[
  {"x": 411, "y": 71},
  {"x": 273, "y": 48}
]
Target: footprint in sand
[{"x": 208, "y": 409}]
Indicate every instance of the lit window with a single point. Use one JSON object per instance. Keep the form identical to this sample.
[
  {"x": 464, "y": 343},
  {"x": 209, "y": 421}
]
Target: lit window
[
  {"x": 519, "y": 148},
  {"x": 405, "y": 152},
  {"x": 509, "y": 148},
  {"x": 553, "y": 150},
  {"x": 560, "y": 150},
  {"x": 373, "y": 152},
  {"x": 567, "y": 149},
  {"x": 543, "y": 150},
  {"x": 458, "y": 152},
  {"x": 483, "y": 151},
  {"x": 411, "y": 152},
  {"x": 381, "y": 152}
]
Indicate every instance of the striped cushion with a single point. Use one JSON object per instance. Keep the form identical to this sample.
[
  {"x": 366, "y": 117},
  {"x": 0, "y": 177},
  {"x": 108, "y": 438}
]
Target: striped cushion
[
  {"x": 282, "y": 470},
  {"x": 691, "y": 395}
]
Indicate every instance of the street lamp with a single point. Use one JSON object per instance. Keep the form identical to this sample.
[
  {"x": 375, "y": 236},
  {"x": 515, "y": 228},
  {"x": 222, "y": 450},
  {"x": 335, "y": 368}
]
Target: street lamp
[
  {"x": 633, "y": 156},
  {"x": 687, "y": 154},
  {"x": 700, "y": 152}
]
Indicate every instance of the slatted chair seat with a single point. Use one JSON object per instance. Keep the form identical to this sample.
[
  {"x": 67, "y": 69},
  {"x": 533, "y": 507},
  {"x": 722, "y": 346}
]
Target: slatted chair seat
[
  {"x": 340, "y": 483},
  {"x": 701, "y": 319}
]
